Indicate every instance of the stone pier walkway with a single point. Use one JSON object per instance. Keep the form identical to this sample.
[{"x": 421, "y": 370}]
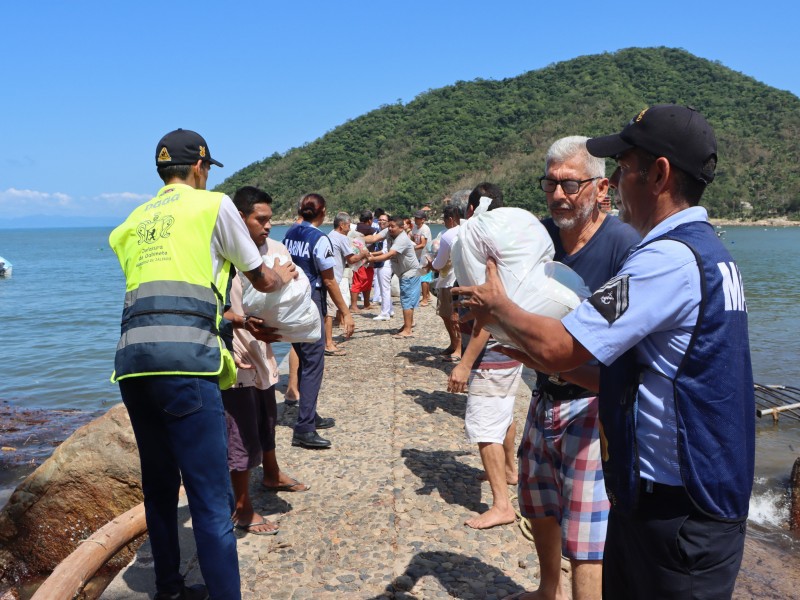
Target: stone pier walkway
[{"x": 384, "y": 516}]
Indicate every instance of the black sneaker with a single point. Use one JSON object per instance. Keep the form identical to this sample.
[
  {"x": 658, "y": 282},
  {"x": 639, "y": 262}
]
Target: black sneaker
[
  {"x": 191, "y": 592},
  {"x": 310, "y": 439},
  {"x": 324, "y": 422}
]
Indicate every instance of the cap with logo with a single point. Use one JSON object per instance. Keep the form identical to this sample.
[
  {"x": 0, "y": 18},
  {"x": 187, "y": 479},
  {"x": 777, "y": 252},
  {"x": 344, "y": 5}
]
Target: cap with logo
[
  {"x": 420, "y": 214},
  {"x": 183, "y": 147},
  {"x": 678, "y": 133}
]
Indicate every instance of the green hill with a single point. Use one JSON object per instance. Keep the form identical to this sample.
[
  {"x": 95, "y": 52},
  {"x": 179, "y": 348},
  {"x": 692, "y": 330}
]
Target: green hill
[{"x": 404, "y": 156}]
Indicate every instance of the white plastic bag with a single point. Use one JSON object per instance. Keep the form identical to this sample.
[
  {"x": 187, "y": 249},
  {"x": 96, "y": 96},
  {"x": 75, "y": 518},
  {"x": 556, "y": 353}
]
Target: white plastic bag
[
  {"x": 357, "y": 244},
  {"x": 523, "y": 250},
  {"x": 290, "y": 310}
]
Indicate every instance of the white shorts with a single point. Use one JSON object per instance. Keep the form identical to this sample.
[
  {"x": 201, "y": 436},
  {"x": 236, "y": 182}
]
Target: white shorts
[{"x": 490, "y": 404}]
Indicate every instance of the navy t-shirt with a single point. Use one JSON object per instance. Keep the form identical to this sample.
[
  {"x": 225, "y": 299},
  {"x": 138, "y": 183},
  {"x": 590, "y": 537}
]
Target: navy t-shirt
[
  {"x": 602, "y": 256},
  {"x": 598, "y": 261}
]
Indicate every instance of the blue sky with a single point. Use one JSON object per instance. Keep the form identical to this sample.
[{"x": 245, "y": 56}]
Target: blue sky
[{"x": 89, "y": 87}]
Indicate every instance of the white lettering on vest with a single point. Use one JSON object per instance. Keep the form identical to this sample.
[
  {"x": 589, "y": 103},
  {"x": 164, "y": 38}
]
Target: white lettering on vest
[
  {"x": 298, "y": 248},
  {"x": 732, "y": 286}
]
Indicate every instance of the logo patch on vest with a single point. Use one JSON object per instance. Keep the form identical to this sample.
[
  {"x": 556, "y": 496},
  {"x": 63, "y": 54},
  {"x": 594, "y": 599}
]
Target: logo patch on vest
[
  {"x": 150, "y": 232},
  {"x": 164, "y": 156},
  {"x": 611, "y": 300}
]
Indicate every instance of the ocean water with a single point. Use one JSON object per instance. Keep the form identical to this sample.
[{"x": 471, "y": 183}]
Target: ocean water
[{"x": 59, "y": 325}]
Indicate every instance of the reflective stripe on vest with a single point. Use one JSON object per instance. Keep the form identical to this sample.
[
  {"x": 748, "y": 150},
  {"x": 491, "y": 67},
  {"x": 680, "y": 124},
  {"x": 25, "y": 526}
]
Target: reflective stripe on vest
[{"x": 172, "y": 311}]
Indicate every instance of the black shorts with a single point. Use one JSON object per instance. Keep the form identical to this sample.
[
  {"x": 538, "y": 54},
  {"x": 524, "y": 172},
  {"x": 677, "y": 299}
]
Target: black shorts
[{"x": 667, "y": 549}]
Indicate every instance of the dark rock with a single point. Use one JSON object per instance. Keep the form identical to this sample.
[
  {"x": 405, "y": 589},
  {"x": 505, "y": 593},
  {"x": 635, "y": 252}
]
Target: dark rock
[{"x": 91, "y": 478}]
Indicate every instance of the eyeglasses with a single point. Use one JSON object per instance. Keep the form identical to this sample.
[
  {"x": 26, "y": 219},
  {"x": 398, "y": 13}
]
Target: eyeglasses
[{"x": 568, "y": 186}]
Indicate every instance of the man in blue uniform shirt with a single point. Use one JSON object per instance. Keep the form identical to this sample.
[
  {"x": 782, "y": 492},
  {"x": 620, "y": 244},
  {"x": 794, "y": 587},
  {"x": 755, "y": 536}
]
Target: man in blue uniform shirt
[{"x": 676, "y": 388}]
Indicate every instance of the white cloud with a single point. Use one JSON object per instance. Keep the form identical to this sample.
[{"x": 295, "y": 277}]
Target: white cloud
[{"x": 24, "y": 203}]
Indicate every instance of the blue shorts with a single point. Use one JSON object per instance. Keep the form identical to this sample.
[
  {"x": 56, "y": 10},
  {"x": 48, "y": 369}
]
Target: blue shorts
[
  {"x": 428, "y": 277},
  {"x": 409, "y": 292}
]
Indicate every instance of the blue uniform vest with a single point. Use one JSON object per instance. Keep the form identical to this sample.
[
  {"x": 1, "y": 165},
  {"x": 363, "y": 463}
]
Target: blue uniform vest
[
  {"x": 300, "y": 241},
  {"x": 712, "y": 391}
]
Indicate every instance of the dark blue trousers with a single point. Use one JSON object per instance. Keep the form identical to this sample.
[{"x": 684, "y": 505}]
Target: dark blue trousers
[
  {"x": 179, "y": 426},
  {"x": 309, "y": 376}
]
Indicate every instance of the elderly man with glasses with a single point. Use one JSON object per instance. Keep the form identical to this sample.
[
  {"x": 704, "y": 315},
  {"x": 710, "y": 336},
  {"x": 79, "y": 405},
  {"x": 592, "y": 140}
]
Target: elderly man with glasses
[{"x": 561, "y": 479}]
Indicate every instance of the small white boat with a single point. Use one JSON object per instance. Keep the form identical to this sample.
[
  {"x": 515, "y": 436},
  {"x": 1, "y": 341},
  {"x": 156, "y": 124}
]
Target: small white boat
[{"x": 5, "y": 267}]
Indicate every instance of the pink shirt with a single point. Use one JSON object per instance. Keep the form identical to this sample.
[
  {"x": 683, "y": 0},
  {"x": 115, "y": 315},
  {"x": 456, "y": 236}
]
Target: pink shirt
[{"x": 247, "y": 350}]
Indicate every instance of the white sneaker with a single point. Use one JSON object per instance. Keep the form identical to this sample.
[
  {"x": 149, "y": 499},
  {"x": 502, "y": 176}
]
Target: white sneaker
[
  {"x": 381, "y": 318},
  {"x": 391, "y": 314}
]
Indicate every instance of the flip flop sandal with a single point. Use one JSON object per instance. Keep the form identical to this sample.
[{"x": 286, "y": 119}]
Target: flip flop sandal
[
  {"x": 249, "y": 528},
  {"x": 287, "y": 487}
]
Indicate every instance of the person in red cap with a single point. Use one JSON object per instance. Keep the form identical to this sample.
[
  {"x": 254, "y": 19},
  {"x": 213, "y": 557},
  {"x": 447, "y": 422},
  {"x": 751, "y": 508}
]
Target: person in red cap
[{"x": 176, "y": 251}]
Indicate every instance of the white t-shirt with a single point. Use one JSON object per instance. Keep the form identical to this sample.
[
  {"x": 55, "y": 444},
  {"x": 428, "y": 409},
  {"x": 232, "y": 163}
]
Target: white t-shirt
[
  {"x": 342, "y": 248},
  {"x": 447, "y": 277},
  {"x": 231, "y": 240},
  {"x": 416, "y": 236}
]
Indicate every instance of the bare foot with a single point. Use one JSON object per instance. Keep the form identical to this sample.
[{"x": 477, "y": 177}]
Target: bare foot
[
  {"x": 354, "y": 309},
  {"x": 511, "y": 478},
  {"x": 402, "y": 335},
  {"x": 491, "y": 518}
]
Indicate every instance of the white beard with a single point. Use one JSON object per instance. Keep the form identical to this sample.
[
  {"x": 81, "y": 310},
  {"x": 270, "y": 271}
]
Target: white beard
[{"x": 579, "y": 216}]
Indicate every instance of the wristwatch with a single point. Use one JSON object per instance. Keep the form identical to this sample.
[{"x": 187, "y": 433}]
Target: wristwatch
[{"x": 556, "y": 379}]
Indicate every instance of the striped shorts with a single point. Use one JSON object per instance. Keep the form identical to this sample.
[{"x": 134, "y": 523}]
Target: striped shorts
[{"x": 561, "y": 474}]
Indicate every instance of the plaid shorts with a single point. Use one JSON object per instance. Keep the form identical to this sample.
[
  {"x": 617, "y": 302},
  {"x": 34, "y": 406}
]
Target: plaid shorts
[{"x": 561, "y": 474}]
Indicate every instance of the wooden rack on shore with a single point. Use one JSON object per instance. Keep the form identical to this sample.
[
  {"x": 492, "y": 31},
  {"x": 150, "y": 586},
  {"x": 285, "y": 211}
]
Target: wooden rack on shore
[{"x": 777, "y": 400}]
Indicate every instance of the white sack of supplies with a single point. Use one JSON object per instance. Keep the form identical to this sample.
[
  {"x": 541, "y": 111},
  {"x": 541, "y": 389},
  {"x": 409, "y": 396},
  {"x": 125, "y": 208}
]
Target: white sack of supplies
[
  {"x": 290, "y": 310},
  {"x": 523, "y": 250}
]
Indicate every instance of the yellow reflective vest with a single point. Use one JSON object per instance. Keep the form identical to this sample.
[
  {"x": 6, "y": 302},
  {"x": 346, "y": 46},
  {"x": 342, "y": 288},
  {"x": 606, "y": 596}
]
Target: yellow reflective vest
[{"x": 173, "y": 303}]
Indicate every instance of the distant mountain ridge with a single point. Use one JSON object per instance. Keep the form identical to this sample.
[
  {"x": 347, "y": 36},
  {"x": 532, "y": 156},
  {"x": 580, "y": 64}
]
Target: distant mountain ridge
[{"x": 404, "y": 156}]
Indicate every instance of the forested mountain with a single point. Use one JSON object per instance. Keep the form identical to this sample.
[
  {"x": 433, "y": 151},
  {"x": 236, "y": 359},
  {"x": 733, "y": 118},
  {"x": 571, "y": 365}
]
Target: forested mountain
[{"x": 404, "y": 156}]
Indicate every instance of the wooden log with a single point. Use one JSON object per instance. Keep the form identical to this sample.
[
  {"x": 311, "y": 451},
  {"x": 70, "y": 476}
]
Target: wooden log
[
  {"x": 69, "y": 577},
  {"x": 794, "y": 483}
]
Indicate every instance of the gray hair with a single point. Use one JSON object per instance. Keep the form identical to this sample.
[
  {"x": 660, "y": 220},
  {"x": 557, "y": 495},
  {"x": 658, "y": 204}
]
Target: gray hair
[
  {"x": 459, "y": 199},
  {"x": 341, "y": 217},
  {"x": 575, "y": 145}
]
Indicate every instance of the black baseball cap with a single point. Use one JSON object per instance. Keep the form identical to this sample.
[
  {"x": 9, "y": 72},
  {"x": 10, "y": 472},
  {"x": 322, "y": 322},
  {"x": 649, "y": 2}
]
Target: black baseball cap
[
  {"x": 420, "y": 214},
  {"x": 678, "y": 133},
  {"x": 183, "y": 147}
]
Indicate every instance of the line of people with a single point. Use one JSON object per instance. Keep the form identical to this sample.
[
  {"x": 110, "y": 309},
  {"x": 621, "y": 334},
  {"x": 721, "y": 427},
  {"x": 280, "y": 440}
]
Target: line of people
[
  {"x": 636, "y": 460},
  {"x": 647, "y": 386}
]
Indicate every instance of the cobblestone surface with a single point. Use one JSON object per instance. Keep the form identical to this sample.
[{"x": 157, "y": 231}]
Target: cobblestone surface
[{"x": 385, "y": 514}]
